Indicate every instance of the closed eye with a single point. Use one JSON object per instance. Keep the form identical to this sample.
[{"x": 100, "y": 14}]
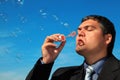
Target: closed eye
[{"x": 89, "y": 28}]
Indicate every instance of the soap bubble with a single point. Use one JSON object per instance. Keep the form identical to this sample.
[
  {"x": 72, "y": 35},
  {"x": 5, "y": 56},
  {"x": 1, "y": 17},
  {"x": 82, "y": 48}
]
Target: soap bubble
[
  {"x": 3, "y": 17},
  {"x": 20, "y": 2}
]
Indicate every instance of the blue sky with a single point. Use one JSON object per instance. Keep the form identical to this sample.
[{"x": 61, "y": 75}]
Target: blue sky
[{"x": 24, "y": 24}]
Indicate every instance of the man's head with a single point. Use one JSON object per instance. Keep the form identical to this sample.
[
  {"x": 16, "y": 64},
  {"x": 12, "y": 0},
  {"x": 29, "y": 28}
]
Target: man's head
[{"x": 96, "y": 33}]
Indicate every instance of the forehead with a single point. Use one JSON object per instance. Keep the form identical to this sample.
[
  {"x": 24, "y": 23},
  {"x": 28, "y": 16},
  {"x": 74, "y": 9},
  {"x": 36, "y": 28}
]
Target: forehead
[{"x": 90, "y": 22}]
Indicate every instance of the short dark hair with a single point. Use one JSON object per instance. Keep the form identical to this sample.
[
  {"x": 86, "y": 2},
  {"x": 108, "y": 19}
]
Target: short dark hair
[{"x": 107, "y": 28}]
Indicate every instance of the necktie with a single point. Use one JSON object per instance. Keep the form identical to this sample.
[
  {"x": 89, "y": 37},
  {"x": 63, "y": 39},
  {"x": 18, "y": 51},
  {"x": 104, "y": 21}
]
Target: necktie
[{"x": 89, "y": 71}]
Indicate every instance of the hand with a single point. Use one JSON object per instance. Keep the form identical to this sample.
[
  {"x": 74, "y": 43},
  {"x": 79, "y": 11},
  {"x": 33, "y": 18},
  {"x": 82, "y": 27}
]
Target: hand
[{"x": 50, "y": 50}]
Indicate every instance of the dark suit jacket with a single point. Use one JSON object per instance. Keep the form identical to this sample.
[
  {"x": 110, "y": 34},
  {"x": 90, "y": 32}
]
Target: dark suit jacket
[{"x": 110, "y": 71}]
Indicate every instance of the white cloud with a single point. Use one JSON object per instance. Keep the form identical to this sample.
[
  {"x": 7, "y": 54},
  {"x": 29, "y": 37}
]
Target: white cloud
[
  {"x": 6, "y": 48},
  {"x": 11, "y": 75},
  {"x": 4, "y": 34},
  {"x": 7, "y": 34}
]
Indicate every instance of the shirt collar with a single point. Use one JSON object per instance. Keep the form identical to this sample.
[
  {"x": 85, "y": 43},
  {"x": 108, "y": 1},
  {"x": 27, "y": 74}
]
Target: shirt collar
[{"x": 96, "y": 66}]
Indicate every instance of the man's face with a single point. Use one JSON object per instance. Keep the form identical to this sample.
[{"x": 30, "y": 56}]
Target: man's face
[{"x": 90, "y": 38}]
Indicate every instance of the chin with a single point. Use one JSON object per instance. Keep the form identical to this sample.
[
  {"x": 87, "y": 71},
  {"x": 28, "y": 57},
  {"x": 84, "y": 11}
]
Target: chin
[{"x": 80, "y": 51}]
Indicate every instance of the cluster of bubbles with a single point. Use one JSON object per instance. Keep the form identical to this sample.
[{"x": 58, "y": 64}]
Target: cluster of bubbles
[
  {"x": 45, "y": 14},
  {"x": 16, "y": 32},
  {"x": 6, "y": 49},
  {"x": 19, "y": 2},
  {"x": 23, "y": 19},
  {"x": 19, "y": 57},
  {"x": 3, "y": 1},
  {"x": 3, "y": 17}
]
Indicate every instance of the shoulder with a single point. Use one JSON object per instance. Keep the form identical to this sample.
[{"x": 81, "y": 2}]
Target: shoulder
[
  {"x": 113, "y": 60},
  {"x": 68, "y": 70},
  {"x": 112, "y": 65},
  {"x": 66, "y": 73}
]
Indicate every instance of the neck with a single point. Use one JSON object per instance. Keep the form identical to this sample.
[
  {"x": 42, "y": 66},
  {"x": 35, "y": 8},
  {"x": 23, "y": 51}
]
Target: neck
[{"x": 91, "y": 59}]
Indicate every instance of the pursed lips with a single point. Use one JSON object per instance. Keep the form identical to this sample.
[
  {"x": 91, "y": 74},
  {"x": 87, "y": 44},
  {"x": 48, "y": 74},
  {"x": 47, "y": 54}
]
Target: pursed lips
[{"x": 80, "y": 42}]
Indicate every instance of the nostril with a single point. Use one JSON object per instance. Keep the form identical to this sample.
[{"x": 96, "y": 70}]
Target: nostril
[{"x": 81, "y": 34}]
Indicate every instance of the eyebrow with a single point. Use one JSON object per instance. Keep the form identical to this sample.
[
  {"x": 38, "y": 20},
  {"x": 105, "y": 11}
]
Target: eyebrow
[{"x": 79, "y": 28}]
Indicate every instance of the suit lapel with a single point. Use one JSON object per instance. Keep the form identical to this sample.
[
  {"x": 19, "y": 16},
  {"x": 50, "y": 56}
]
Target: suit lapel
[
  {"x": 109, "y": 68},
  {"x": 78, "y": 74}
]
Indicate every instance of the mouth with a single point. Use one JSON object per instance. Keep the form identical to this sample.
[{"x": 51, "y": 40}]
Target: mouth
[{"x": 80, "y": 42}]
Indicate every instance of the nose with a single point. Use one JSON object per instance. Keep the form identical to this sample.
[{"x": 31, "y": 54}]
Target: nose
[{"x": 81, "y": 33}]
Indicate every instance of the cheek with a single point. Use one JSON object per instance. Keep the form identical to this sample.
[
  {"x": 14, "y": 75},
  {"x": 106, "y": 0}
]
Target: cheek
[
  {"x": 97, "y": 41},
  {"x": 95, "y": 38}
]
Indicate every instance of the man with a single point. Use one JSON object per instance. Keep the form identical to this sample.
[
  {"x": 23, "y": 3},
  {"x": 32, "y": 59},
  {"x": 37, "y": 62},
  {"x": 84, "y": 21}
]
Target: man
[{"x": 94, "y": 41}]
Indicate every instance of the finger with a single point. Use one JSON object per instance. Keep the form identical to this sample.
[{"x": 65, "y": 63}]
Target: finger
[
  {"x": 58, "y": 37},
  {"x": 49, "y": 39},
  {"x": 62, "y": 38},
  {"x": 52, "y": 38},
  {"x": 50, "y": 45},
  {"x": 61, "y": 46}
]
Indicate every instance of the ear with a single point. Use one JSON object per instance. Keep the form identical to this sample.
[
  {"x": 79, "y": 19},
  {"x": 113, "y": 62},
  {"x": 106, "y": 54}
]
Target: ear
[{"x": 108, "y": 38}]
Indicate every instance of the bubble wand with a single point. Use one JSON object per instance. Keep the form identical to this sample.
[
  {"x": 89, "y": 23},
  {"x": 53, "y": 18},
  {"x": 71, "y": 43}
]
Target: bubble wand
[{"x": 63, "y": 38}]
